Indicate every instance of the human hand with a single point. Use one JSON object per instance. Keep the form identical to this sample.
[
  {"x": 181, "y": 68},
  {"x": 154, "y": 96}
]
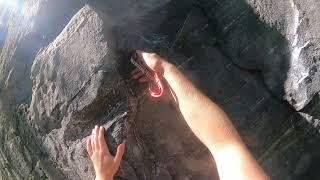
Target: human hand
[
  {"x": 153, "y": 62},
  {"x": 105, "y": 165}
]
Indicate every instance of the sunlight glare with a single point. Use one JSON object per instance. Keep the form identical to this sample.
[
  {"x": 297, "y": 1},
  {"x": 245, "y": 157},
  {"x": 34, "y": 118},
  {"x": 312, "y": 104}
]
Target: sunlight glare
[{"x": 13, "y": 5}]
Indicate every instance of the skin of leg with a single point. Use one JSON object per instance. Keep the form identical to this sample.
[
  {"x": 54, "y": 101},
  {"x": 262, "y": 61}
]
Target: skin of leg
[{"x": 105, "y": 165}]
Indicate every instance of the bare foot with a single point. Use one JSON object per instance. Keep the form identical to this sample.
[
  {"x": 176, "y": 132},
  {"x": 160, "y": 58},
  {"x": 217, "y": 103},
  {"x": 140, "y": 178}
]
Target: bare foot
[{"x": 104, "y": 163}]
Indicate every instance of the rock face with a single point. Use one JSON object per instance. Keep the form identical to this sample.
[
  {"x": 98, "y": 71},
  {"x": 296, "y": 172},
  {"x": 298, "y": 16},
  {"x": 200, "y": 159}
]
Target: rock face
[
  {"x": 281, "y": 44},
  {"x": 65, "y": 67},
  {"x": 72, "y": 89}
]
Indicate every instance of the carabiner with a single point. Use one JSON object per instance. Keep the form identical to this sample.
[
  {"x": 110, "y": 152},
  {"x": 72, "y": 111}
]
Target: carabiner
[
  {"x": 157, "y": 89},
  {"x": 155, "y": 84}
]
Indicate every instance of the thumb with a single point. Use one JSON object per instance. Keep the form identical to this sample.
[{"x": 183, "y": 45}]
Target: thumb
[
  {"x": 150, "y": 59},
  {"x": 120, "y": 152}
]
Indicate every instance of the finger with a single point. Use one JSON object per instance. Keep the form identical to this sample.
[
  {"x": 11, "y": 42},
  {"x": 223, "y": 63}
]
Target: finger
[
  {"x": 141, "y": 56},
  {"x": 138, "y": 75},
  {"x": 92, "y": 141},
  {"x": 120, "y": 152},
  {"x": 136, "y": 70},
  {"x": 135, "y": 73},
  {"x": 89, "y": 147},
  {"x": 150, "y": 59},
  {"x": 96, "y": 134},
  {"x": 102, "y": 142},
  {"x": 143, "y": 79}
]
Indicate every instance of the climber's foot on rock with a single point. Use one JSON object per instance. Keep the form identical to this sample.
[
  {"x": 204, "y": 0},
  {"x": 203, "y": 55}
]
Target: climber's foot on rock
[{"x": 105, "y": 165}]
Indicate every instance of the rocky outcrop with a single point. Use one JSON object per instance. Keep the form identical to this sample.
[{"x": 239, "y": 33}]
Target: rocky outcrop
[
  {"x": 71, "y": 94},
  {"x": 29, "y": 25},
  {"x": 297, "y": 24},
  {"x": 74, "y": 90},
  {"x": 276, "y": 38},
  {"x": 65, "y": 68}
]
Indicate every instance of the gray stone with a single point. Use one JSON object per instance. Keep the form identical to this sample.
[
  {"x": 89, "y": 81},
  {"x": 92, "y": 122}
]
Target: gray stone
[
  {"x": 76, "y": 85},
  {"x": 277, "y": 38},
  {"x": 34, "y": 24},
  {"x": 73, "y": 90},
  {"x": 251, "y": 57}
]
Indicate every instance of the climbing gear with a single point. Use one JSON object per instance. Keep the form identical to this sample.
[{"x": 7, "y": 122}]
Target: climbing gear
[{"x": 155, "y": 84}]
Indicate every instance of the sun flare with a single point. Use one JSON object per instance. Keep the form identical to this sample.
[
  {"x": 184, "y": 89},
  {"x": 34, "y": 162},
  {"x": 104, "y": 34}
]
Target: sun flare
[{"x": 13, "y": 5}]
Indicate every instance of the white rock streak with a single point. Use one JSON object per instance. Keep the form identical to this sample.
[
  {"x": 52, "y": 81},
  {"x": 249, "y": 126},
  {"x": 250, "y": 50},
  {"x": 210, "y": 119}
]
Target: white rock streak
[{"x": 297, "y": 72}]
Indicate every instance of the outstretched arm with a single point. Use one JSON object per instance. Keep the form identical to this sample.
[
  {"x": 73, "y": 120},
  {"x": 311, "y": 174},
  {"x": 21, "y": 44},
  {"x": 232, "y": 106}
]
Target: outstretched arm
[{"x": 208, "y": 122}]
